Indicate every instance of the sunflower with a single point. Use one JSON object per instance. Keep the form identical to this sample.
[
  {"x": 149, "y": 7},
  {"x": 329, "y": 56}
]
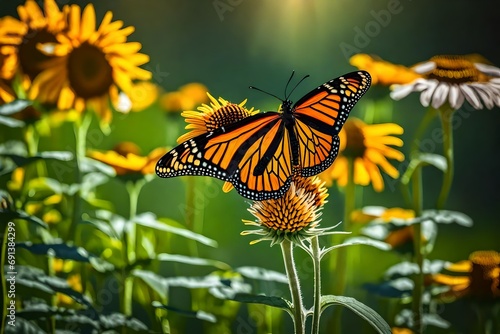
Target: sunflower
[
  {"x": 454, "y": 79},
  {"x": 294, "y": 216},
  {"x": 481, "y": 280},
  {"x": 187, "y": 97},
  {"x": 89, "y": 66},
  {"x": 23, "y": 36},
  {"x": 126, "y": 159},
  {"x": 11, "y": 31},
  {"x": 368, "y": 147},
  {"x": 210, "y": 117},
  {"x": 383, "y": 72}
]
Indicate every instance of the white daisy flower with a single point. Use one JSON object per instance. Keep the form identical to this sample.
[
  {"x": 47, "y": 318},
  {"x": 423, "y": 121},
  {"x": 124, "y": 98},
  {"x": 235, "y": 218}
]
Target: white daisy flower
[{"x": 454, "y": 79}]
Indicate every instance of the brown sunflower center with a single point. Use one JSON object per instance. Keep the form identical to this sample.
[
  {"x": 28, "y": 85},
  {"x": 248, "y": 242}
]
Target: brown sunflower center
[
  {"x": 355, "y": 140},
  {"x": 127, "y": 147},
  {"x": 485, "y": 274},
  {"x": 89, "y": 72},
  {"x": 454, "y": 69},
  {"x": 225, "y": 115},
  {"x": 31, "y": 59}
]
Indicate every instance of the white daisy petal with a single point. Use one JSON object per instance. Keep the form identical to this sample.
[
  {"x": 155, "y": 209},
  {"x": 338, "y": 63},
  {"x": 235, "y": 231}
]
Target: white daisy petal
[
  {"x": 440, "y": 95},
  {"x": 488, "y": 69},
  {"x": 495, "y": 81},
  {"x": 456, "y": 98},
  {"x": 424, "y": 68},
  {"x": 485, "y": 94},
  {"x": 471, "y": 97},
  {"x": 425, "y": 97},
  {"x": 401, "y": 91}
]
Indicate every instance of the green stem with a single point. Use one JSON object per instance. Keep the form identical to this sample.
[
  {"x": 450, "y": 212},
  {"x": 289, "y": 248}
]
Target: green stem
[
  {"x": 340, "y": 264},
  {"x": 317, "y": 284},
  {"x": 418, "y": 250},
  {"x": 130, "y": 245},
  {"x": 415, "y": 146},
  {"x": 446, "y": 114},
  {"x": 80, "y": 130},
  {"x": 293, "y": 280},
  {"x": 191, "y": 211},
  {"x": 422, "y": 127}
]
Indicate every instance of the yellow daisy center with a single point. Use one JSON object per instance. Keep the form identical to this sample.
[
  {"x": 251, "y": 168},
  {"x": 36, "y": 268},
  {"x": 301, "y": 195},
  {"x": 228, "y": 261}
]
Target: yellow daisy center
[
  {"x": 454, "y": 69},
  {"x": 89, "y": 72},
  {"x": 224, "y": 116},
  {"x": 31, "y": 59},
  {"x": 355, "y": 140},
  {"x": 484, "y": 273}
]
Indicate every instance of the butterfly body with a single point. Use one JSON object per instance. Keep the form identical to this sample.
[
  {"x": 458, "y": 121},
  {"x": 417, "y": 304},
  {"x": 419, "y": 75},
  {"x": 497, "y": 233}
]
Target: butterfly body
[{"x": 260, "y": 154}]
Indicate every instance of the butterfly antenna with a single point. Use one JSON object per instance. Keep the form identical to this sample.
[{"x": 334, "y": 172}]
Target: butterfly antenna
[
  {"x": 263, "y": 91},
  {"x": 288, "y": 82},
  {"x": 298, "y": 83}
]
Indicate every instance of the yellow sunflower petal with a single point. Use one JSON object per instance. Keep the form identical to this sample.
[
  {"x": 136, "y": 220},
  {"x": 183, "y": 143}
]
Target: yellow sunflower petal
[
  {"x": 451, "y": 280},
  {"x": 462, "y": 266},
  {"x": 361, "y": 175},
  {"x": 88, "y": 22},
  {"x": 375, "y": 176},
  {"x": 387, "y": 140},
  {"x": 382, "y": 129},
  {"x": 379, "y": 159},
  {"x": 123, "y": 49},
  {"x": 66, "y": 98},
  {"x": 122, "y": 80},
  {"x": 74, "y": 21}
]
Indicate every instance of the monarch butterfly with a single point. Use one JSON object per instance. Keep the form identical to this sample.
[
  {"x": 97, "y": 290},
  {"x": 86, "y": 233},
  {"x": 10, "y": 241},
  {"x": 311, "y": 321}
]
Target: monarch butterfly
[{"x": 260, "y": 154}]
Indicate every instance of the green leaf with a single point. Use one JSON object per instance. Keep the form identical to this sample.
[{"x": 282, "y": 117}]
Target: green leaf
[
  {"x": 117, "y": 320},
  {"x": 190, "y": 314},
  {"x": 406, "y": 269},
  {"x": 360, "y": 241},
  {"x": 66, "y": 252},
  {"x": 219, "y": 287},
  {"x": 23, "y": 326},
  {"x": 192, "y": 260},
  {"x": 447, "y": 217},
  {"x": 148, "y": 219},
  {"x": 14, "y": 107},
  {"x": 424, "y": 159},
  {"x": 260, "y": 299},
  {"x": 156, "y": 282},
  {"x": 9, "y": 215},
  {"x": 262, "y": 274},
  {"x": 89, "y": 165},
  {"x": 372, "y": 317},
  {"x": 23, "y": 160},
  {"x": 406, "y": 317},
  {"x": 90, "y": 181},
  {"x": 11, "y": 122},
  {"x": 35, "y": 278},
  {"x": 397, "y": 288},
  {"x": 102, "y": 226}
]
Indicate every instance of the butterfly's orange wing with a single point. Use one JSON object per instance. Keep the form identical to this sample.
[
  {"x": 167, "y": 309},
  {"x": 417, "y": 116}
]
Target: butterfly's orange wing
[
  {"x": 232, "y": 153},
  {"x": 319, "y": 117}
]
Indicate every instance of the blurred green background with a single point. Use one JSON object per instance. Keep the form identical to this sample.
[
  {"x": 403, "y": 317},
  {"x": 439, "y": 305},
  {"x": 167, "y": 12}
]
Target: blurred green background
[{"x": 231, "y": 44}]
